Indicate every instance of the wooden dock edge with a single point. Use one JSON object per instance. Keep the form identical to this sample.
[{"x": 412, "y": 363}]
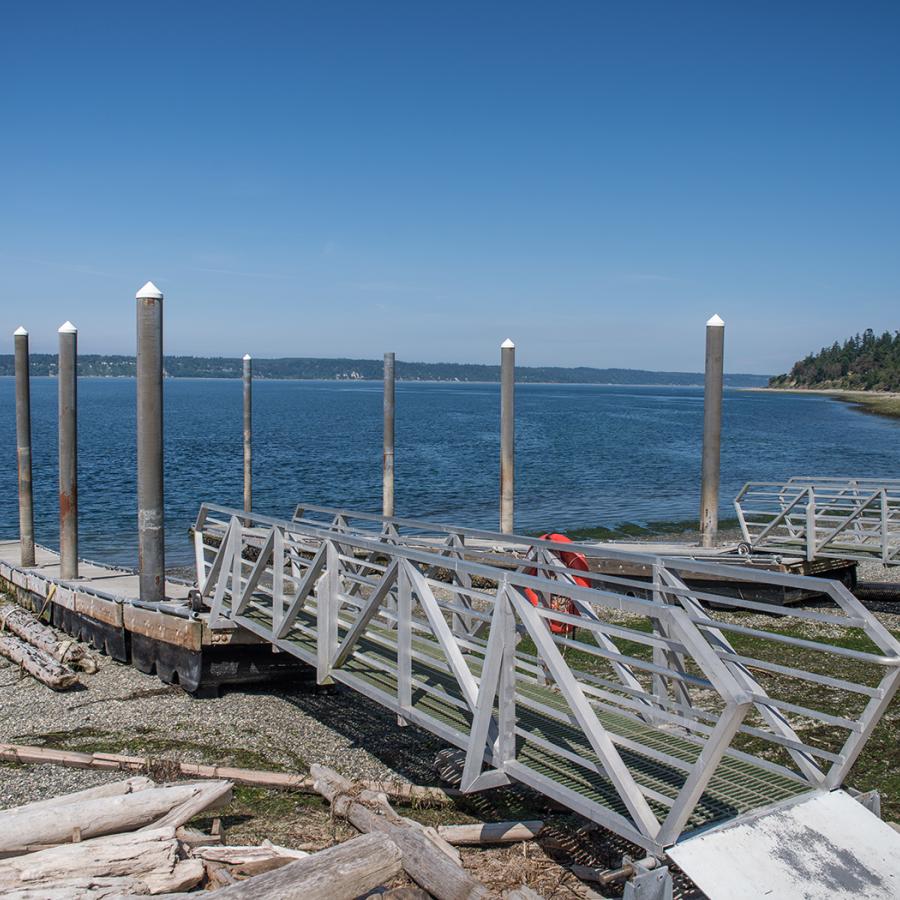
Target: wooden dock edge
[{"x": 178, "y": 650}]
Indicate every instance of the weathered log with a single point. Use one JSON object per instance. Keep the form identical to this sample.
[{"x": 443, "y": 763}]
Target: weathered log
[
  {"x": 351, "y": 869},
  {"x": 258, "y": 778},
  {"x": 490, "y": 832},
  {"x": 250, "y": 860},
  {"x": 145, "y": 862},
  {"x": 211, "y": 795},
  {"x": 424, "y": 862},
  {"x": 191, "y": 837},
  {"x": 23, "y": 828},
  {"x": 37, "y": 663},
  {"x": 25, "y": 626},
  {"x": 113, "y": 789}
]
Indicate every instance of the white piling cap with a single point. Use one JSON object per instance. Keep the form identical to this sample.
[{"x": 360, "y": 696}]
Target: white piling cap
[
  {"x": 507, "y": 345},
  {"x": 20, "y": 332},
  {"x": 716, "y": 322},
  {"x": 67, "y": 328},
  {"x": 247, "y": 357},
  {"x": 149, "y": 292}
]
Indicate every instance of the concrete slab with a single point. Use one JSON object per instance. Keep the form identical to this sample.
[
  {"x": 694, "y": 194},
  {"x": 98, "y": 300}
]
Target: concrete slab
[{"x": 828, "y": 847}]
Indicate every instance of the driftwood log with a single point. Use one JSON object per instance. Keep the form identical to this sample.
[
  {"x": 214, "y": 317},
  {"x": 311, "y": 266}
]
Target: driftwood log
[
  {"x": 24, "y": 625},
  {"x": 25, "y": 828},
  {"x": 428, "y": 864},
  {"x": 144, "y": 862},
  {"x": 208, "y": 795},
  {"x": 490, "y": 832},
  {"x": 37, "y": 663},
  {"x": 280, "y": 780},
  {"x": 113, "y": 789},
  {"x": 351, "y": 869},
  {"x": 250, "y": 860}
]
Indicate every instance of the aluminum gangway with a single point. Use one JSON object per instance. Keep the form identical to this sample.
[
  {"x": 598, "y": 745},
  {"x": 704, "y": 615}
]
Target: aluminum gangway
[
  {"x": 837, "y": 518},
  {"x": 658, "y": 710}
]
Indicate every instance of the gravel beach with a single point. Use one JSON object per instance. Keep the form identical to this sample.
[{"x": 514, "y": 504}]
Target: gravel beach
[{"x": 287, "y": 727}]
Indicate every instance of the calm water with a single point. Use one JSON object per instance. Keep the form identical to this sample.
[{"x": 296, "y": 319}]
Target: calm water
[{"x": 586, "y": 455}]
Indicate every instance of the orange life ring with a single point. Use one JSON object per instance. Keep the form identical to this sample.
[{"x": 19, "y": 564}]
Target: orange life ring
[{"x": 572, "y": 560}]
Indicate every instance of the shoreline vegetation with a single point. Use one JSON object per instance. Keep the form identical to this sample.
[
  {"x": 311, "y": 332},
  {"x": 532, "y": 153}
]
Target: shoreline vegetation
[
  {"x": 877, "y": 403},
  {"x": 334, "y": 369}
]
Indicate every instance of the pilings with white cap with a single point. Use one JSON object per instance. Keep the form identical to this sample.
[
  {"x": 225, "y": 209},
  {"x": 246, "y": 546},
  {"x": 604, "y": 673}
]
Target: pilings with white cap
[
  {"x": 23, "y": 448},
  {"x": 507, "y": 436},
  {"x": 151, "y": 523},
  {"x": 387, "y": 458},
  {"x": 248, "y": 431},
  {"x": 712, "y": 431},
  {"x": 67, "y": 378}
]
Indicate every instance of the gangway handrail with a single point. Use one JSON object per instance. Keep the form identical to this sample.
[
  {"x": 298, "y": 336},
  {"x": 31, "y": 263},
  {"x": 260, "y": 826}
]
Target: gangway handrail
[{"x": 579, "y": 715}]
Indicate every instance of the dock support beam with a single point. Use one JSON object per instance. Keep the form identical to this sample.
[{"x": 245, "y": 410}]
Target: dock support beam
[
  {"x": 387, "y": 460},
  {"x": 507, "y": 436},
  {"x": 23, "y": 448},
  {"x": 248, "y": 432},
  {"x": 712, "y": 431},
  {"x": 68, "y": 451},
  {"x": 151, "y": 526}
]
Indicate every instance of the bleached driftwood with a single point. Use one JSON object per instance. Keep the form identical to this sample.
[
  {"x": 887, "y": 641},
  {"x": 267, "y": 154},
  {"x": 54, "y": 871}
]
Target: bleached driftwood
[
  {"x": 490, "y": 832},
  {"x": 37, "y": 663},
  {"x": 24, "y": 625},
  {"x": 426, "y": 863},
  {"x": 143, "y": 862},
  {"x": 113, "y": 789},
  {"x": 55, "y": 824},
  {"x": 259, "y": 778},
  {"x": 351, "y": 869},
  {"x": 250, "y": 860},
  {"x": 209, "y": 795}
]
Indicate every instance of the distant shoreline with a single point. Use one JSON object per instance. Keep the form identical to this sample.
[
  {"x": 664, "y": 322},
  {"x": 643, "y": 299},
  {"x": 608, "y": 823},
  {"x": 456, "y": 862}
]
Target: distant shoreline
[{"x": 876, "y": 403}]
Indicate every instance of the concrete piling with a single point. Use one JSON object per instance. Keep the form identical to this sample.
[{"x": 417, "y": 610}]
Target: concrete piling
[
  {"x": 387, "y": 459},
  {"x": 507, "y": 436},
  {"x": 248, "y": 432},
  {"x": 67, "y": 378},
  {"x": 23, "y": 447},
  {"x": 151, "y": 522},
  {"x": 712, "y": 431}
]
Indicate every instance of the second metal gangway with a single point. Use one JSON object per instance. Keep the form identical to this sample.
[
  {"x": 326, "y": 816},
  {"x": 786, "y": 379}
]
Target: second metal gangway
[{"x": 838, "y": 518}]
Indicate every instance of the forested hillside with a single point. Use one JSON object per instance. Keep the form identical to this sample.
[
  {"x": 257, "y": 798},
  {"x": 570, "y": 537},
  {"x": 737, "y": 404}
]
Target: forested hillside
[{"x": 862, "y": 363}]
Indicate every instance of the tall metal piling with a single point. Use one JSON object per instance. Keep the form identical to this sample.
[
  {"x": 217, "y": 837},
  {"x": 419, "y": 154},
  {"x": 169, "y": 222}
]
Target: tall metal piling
[
  {"x": 248, "y": 432},
  {"x": 507, "y": 436},
  {"x": 387, "y": 458},
  {"x": 23, "y": 448},
  {"x": 151, "y": 523},
  {"x": 712, "y": 431},
  {"x": 67, "y": 378}
]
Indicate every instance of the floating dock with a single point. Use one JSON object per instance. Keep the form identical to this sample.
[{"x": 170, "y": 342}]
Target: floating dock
[{"x": 102, "y": 608}]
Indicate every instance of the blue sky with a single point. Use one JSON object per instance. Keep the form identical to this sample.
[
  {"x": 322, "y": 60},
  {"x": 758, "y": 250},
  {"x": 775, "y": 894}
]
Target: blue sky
[{"x": 593, "y": 180}]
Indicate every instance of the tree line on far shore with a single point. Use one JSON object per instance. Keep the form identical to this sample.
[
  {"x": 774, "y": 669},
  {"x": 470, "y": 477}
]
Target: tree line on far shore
[
  {"x": 865, "y": 362},
  {"x": 92, "y": 365}
]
